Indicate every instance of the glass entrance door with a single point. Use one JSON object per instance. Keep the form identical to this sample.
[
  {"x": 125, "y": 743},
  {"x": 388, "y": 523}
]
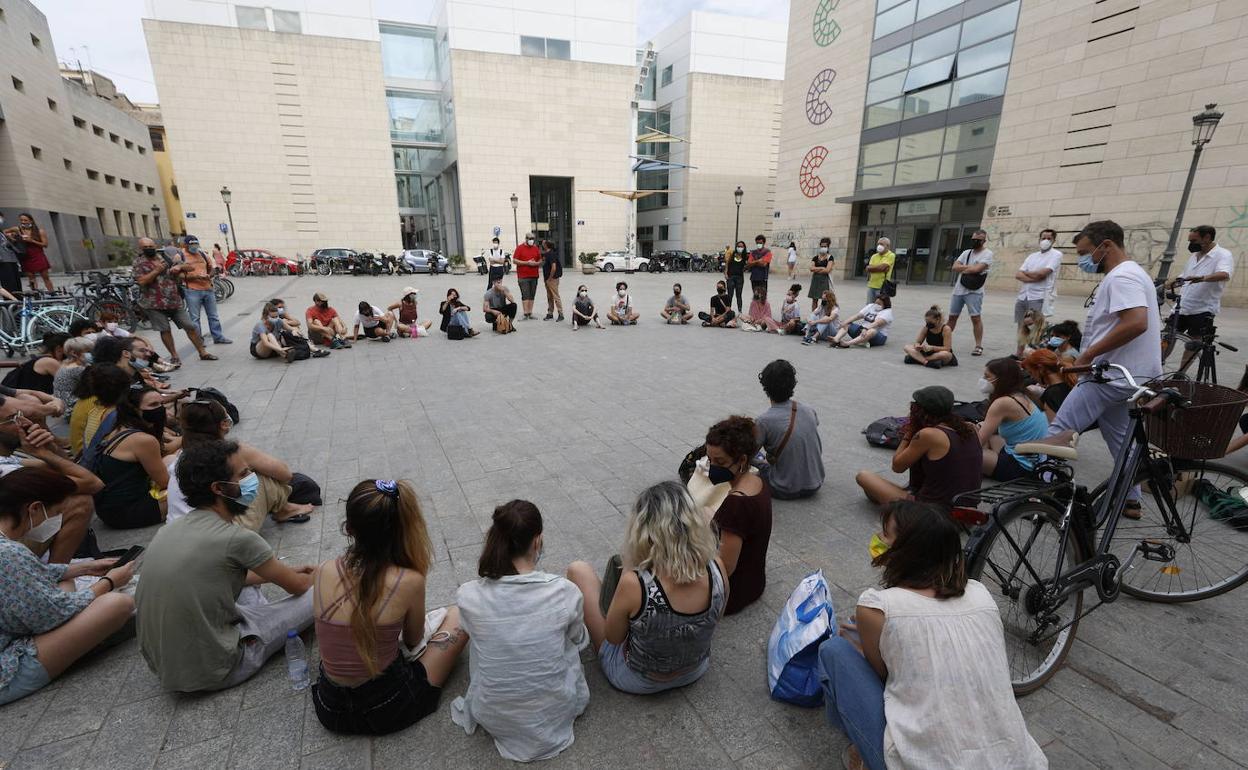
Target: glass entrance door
[
  {"x": 921, "y": 256},
  {"x": 951, "y": 241}
]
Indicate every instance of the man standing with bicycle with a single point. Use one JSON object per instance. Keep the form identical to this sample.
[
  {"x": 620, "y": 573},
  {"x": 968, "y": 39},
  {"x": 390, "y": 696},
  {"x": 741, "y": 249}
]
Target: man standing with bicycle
[
  {"x": 197, "y": 278},
  {"x": 156, "y": 273},
  {"x": 1203, "y": 281},
  {"x": 1122, "y": 327}
]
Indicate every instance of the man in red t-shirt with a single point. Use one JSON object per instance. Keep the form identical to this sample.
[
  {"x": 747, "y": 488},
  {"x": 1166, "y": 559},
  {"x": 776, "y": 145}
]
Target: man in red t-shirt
[
  {"x": 528, "y": 261},
  {"x": 325, "y": 326}
]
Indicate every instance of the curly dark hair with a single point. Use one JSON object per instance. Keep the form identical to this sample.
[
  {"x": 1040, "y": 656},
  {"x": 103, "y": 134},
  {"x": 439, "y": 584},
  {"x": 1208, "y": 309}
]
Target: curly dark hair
[
  {"x": 920, "y": 419},
  {"x": 778, "y": 379},
  {"x": 200, "y": 465},
  {"x": 735, "y": 435},
  {"x": 926, "y": 551},
  {"x": 107, "y": 383}
]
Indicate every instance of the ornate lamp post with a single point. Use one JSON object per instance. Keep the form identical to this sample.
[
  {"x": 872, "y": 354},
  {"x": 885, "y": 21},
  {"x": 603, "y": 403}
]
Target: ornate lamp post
[
  {"x": 737, "y": 195},
  {"x": 1203, "y": 126},
  {"x": 226, "y": 195}
]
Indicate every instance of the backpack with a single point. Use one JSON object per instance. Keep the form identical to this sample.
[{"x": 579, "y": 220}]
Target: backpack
[
  {"x": 455, "y": 332},
  {"x": 886, "y": 432},
  {"x": 973, "y": 411},
  {"x": 219, "y": 397},
  {"x": 302, "y": 349}
]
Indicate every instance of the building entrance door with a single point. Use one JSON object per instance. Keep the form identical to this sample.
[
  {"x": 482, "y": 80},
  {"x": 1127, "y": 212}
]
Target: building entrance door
[
  {"x": 551, "y": 212},
  {"x": 951, "y": 242},
  {"x": 921, "y": 263}
]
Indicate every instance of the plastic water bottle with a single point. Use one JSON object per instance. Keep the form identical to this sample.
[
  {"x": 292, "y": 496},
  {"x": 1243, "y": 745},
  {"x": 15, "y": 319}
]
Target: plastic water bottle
[{"x": 296, "y": 661}]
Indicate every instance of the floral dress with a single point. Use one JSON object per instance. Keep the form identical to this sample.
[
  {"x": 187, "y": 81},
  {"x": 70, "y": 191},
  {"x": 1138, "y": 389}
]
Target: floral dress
[{"x": 31, "y": 603}]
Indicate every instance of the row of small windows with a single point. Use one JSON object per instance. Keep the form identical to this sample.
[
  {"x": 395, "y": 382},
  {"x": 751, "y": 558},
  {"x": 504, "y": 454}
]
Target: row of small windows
[
  {"x": 892, "y": 15},
  {"x": 20, "y": 86}
]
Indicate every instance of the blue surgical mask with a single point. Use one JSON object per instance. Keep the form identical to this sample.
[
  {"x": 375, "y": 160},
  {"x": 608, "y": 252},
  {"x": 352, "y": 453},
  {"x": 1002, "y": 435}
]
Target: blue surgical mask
[
  {"x": 1056, "y": 342},
  {"x": 248, "y": 488},
  {"x": 1086, "y": 264},
  {"x": 281, "y": 311},
  {"x": 193, "y": 248},
  {"x": 718, "y": 474},
  {"x": 89, "y": 357},
  {"x": 139, "y": 363}
]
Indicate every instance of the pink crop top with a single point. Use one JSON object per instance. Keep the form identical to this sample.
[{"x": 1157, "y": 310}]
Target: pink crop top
[{"x": 338, "y": 654}]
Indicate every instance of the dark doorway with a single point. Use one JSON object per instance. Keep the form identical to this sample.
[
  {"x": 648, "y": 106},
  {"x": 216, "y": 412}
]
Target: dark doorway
[{"x": 551, "y": 212}]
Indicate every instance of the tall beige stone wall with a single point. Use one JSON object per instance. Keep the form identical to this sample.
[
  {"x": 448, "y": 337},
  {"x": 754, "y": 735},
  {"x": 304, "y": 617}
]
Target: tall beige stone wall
[
  {"x": 294, "y": 125},
  {"x": 733, "y": 133},
  {"x": 1101, "y": 128},
  {"x": 520, "y": 116},
  {"x": 824, "y": 86}
]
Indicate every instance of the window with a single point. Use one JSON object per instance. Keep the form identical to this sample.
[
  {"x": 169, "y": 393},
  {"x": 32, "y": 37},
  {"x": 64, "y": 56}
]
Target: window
[
  {"x": 887, "y": 87},
  {"x": 994, "y": 53},
  {"x": 653, "y": 180},
  {"x": 151, "y": 190},
  {"x": 18, "y": 84},
  {"x": 409, "y": 189},
  {"x": 129, "y": 145},
  {"x": 69, "y": 164},
  {"x": 110, "y": 179},
  {"x": 935, "y": 45},
  {"x": 658, "y": 120},
  {"x": 928, "y": 100},
  {"x": 125, "y": 183},
  {"x": 933, "y": 7},
  {"x": 142, "y": 150},
  {"x": 545, "y": 48},
  {"x": 146, "y": 232},
  {"x": 408, "y": 53},
  {"x": 35, "y": 41},
  {"x": 287, "y": 21},
  {"x": 664, "y": 231},
  {"x": 80, "y": 123},
  {"x": 963, "y": 164},
  {"x": 666, "y": 78},
  {"x": 876, "y": 176},
  {"x": 133, "y": 230},
  {"x": 884, "y": 5},
  {"x": 916, "y": 171},
  {"x": 977, "y": 88},
  {"x": 986, "y": 26},
  {"x": 878, "y": 152},
  {"x": 52, "y": 104},
  {"x": 414, "y": 117},
  {"x": 972, "y": 136},
  {"x": 94, "y": 175},
  {"x": 558, "y": 49},
  {"x": 890, "y": 61},
  {"x": 114, "y": 138},
  {"x": 645, "y": 233},
  {"x": 920, "y": 145},
  {"x": 250, "y": 18},
  {"x": 117, "y": 221},
  {"x": 36, "y": 152},
  {"x": 894, "y": 19},
  {"x": 158, "y": 139},
  {"x": 931, "y": 73},
  {"x": 883, "y": 113},
  {"x": 97, "y": 130}
]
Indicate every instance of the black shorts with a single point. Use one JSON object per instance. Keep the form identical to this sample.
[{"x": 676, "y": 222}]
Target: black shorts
[
  {"x": 142, "y": 511},
  {"x": 528, "y": 288},
  {"x": 397, "y": 698},
  {"x": 1196, "y": 325},
  {"x": 373, "y": 332},
  {"x": 1008, "y": 468}
]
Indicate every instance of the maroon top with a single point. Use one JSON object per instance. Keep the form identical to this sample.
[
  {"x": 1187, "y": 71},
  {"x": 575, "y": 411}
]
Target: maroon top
[
  {"x": 749, "y": 518},
  {"x": 960, "y": 470}
]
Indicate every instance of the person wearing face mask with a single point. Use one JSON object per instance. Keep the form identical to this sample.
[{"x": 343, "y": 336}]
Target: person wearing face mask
[
  {"x": 1206, "y": 276},
  {"x": 791, "y": 313},
  {"x": 1037, "y": 278},
  {"x": 744, "y": 517},
  {"x": 583, "y": 310},
  {"x": 325, "y": 326},
  {"x": 497, "y": 260},
  {"x": 266, "y": 336},
  {"x": 933, "y": 347},
  {"x": 290, "y": 331},
  {"x": 197, "y": 279},
  {"x": 38, "y": 373},
  {"x": 45, "y": 623},
  {"x": 734, "y": 272},
  {"x": 1012, "y": 419},
  {"x": 499, "y": 308},
  {"x": 868, "y": 327},
  {"x": 676, "y": 310},
  {"x": 528, "y": 261},
  {"x": 917, "y": 628},
  {"x": 1065, "y": 339},
  {"x": 286, "y": 496},
  {"x": 552, "y": 271},
  {"x": 455, "y": 313},
  {"x": 879, "y": 267},
  {"x": 410, "y": 324},
  {"x": 33, "y": 240},
  {"x": 824, "y": 320},
  {"x": 821, "y": 272},
  {"x": 972, "y": 268},
  {"x": 157, "y": 276},
  {"x": 759, "y": 265},
  {"x": 622, "y": 312},
  {"x": 525, "y": 629},
  {"x": 722, "y": 314},
  {"x": 792, "y": 260},
  {"x": 197, "y": 629},
  {"x": 11, "y": 250},
  {"x": 131, "y": 466},
  {"x": 70, "y": 372}
]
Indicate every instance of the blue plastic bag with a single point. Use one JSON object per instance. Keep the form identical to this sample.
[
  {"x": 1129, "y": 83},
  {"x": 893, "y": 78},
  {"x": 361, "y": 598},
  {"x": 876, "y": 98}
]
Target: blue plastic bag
[{"x": 793, "y": 649}]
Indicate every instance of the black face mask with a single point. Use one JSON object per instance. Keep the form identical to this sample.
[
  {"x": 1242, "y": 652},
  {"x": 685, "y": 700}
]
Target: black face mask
[
  {"x": 1195, "y": 247},
  {"x": 156, "y": 417},
  {"x": 149, "y": 252},
  {"x": 977, "y": 242}
]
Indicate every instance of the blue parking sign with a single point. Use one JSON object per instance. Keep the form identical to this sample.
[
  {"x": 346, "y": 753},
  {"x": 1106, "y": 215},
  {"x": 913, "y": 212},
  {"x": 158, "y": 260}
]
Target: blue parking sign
[{"x": 224, "y": 228}]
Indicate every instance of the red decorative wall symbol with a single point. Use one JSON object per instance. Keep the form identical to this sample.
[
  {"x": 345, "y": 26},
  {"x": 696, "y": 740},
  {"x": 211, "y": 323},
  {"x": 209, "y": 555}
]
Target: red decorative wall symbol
[{"x": 812, "y": 185}]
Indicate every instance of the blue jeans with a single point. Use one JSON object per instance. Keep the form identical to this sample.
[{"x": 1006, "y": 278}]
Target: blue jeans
[
  {"x": 853, "y": 698},
  {"x": 872, "y": 294},
  {"x": 197, "y": 298},
  {"x": 459, "y": 319}
]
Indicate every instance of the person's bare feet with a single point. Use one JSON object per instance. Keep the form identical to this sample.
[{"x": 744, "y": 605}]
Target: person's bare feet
[
  {"x": 291, "y": 510},
  {"x": 852, "y": 759}
]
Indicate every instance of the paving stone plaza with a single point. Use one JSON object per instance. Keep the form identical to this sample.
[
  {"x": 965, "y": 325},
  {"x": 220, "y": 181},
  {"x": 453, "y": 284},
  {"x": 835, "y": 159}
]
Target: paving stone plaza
[{"x": 579, "y": 423}]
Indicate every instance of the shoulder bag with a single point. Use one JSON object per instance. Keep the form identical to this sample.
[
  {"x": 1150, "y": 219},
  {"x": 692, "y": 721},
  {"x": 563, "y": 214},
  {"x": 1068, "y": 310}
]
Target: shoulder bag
[
  {"x": 973, "y": 281},
  {"x": 773, "y": 457}
]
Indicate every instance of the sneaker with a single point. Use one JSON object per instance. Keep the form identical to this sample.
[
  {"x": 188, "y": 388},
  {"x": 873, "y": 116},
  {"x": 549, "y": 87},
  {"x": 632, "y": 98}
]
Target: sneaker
[
  {"x": 807, "y": 341},
  {"x": 935, "y": 364},
  {"x": 559, "y": 319},
  {"x": 223, "y": 341},
  {"x": 386, "y": 338},
  {"x": 335, "y": 344},
  {"x": 548, "y": 317}
]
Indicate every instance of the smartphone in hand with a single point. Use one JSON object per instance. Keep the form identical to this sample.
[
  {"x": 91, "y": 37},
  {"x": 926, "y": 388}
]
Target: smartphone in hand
[{"x": 128, "y": 556}]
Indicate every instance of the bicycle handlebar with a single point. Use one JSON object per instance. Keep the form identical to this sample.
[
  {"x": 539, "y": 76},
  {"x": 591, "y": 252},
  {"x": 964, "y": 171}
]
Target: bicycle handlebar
[{"x": 1098, "y": 375}]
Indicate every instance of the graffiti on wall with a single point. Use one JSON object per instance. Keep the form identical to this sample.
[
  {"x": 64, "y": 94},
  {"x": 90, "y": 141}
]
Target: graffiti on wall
[
  {"x": 824, "y": 28},
  {"x": 1234, "y": 234},
  {"x": 817, "y": 110},
  {"x": 811, "y": 185}
]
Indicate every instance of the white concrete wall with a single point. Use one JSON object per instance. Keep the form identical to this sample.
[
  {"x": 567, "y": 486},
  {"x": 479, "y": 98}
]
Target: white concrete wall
[
  {"x": 601, "y": 31},
  {"x": 353, "y": 19}
]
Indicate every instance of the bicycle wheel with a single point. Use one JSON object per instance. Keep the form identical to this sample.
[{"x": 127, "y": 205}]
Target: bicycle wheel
[
  {"x": 1214, "y": 559},
  {"x": 52, "y": 319},
  {"x": 126, "y": 317},
  {"x": 1016, "y": 573}
]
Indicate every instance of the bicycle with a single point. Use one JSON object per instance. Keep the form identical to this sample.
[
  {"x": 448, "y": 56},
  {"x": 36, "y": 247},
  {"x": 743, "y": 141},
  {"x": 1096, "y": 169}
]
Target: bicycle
[
  {"x": 23, "y": 332},
  {"x": 1207, "y": 344},
  {"x": 1037, "y": 550},
  {"x": 99, "y": 293}
]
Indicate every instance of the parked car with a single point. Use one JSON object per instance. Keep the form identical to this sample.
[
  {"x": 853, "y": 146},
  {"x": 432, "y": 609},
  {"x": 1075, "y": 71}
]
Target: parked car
[
  {"x": 611, "y": 261},
  {"x": 336, "y": 260},
  {"x": 425, "y": 261},
  {"x": 259, "y": 262}
]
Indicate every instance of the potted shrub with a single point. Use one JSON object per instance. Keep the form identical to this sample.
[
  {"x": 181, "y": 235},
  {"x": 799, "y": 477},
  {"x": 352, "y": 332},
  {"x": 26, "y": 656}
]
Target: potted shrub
[
  {"x": 587, "y": 262},
  {"x": 458, "y": 264}
]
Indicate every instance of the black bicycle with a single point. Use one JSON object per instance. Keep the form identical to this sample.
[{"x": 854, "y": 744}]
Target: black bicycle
[{"x": 1046, "y": 541}]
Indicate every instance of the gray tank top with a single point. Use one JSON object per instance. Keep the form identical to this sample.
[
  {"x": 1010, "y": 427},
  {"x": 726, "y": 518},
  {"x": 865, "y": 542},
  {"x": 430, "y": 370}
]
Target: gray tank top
[{"x": 664, "y": 641}]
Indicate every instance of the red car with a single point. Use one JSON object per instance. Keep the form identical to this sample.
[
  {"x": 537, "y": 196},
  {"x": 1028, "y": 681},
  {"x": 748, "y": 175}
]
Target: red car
[{"x": 259, "y": 262}]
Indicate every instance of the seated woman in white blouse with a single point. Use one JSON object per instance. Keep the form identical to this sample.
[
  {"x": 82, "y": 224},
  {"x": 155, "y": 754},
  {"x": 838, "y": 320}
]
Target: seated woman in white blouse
[{"x": 942, "y": 628}]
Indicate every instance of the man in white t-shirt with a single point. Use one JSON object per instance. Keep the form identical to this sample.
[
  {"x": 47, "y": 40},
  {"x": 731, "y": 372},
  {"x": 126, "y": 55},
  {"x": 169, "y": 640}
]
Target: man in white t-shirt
[
  {"x": 1123, "y": 327},
  {"x": 1037, "y": 276},
  {"x": 377, "y": 324},
  {"x": 971, "y": 267},
  {"x": 1203, "y": 280}
]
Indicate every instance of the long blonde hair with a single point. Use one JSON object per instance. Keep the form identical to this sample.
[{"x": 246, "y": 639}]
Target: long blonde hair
[
  {"x": 668, "y": 534},
  {"x": 1033, "y": 338}
]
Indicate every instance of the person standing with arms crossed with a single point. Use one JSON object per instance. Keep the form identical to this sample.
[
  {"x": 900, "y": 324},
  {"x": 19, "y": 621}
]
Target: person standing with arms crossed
[
  {"x": 496, "y": 261},
  {"x": 197, "y": 279},
  {"x": 879, "y": 268},
  {"x": 1037, "y": 276},
  {"x": 759, "y": 264},
  {"x": 552, "y": 271},
  {"x": 968, "y": 291},
  {"x": 528, "y": 262}
]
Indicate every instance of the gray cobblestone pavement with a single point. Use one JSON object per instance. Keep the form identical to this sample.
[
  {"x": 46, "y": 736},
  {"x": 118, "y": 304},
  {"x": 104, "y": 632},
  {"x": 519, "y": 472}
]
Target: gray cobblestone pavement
[{"x": 579, "y": 423}]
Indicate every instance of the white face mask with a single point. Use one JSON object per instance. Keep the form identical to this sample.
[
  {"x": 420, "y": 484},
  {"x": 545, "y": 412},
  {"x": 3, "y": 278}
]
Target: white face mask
[
  {"x": 879, "y": 248},
  {"x": 582, "y": 294},
  {"x": 985, "y": 386},
  {"x": 740, "y": 249},
  {"x": 1046, "y": 244},
  {"x": 823, "y": 249},
  {"x": 621, "y": 292},
  {"x": 46, "y": 530},
  {"x": 528, "y": 241},
  {"x": 760, "y": 246}
]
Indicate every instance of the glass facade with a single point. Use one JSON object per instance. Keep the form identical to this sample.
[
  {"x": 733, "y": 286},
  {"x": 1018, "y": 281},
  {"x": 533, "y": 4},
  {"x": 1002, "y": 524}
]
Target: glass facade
[
  {"x": 414, "y": 116},
  {"x": 950, "y": 152},
  {"x": 409, "y": 53},
  {"x": 647, "y": 120}
]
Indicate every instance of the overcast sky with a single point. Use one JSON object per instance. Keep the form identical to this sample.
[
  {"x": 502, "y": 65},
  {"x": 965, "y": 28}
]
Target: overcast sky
[{"x": 108, "y": 36}]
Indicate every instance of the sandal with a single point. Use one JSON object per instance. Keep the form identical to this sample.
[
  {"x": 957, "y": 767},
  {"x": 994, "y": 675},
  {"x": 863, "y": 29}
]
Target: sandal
[
  {"x": 175, "y": 363},
  {"x": 977, "y": 350},
  {"x": 207, "y": 357},
  {"x": 1133, "y": 510},
  {"x": 320, "y": 353},
  {"x": 301, "y": 518}
]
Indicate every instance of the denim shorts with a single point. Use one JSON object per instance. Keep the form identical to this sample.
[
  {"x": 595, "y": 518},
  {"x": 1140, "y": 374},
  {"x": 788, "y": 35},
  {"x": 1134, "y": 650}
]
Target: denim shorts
[
  {"x": 30, "y": 678},
  {"x": 878, "y": 340},
  {"x": 974, "y": 303},
  {"x": 621, "y": 677}
]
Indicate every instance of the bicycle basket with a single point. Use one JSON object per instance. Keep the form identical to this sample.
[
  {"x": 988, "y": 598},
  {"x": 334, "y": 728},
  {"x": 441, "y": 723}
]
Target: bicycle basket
[{"x": 1202, "y": 430}]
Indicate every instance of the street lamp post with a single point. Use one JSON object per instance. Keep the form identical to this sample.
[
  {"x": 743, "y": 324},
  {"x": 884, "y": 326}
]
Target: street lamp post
[
  {"x": 1203, "y": 126},
  {"x": 226, "y": 195},
  {"x": 515, "y": 223},
  {"x": 156, "y": 219},
  {"x": 737, "y": 195}
]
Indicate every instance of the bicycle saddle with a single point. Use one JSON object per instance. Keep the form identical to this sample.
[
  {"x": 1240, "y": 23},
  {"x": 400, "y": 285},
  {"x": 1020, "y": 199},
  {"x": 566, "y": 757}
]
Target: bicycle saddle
[{"x": 1051, "y": 450}]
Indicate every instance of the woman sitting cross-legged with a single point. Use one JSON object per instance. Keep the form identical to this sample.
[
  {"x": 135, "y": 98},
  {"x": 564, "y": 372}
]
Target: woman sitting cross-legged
[
  {"x": 583, "y": 310},
  {"x": 525, "y": 629},
  {"x": 824, "y": 319},
  {"x": 927, "y": 624},
  {"x": 940, "y": 449},
  {"x": 758, "y": 317},
  {"x": 369, "y": 600},
  {"x": 1012, "y": 419},
  {"x": 46, "y": 624},
  {"x": 287, "y": 497},
  {"x": 869, "y": 326},
  {"x": 266, "y": 336},
  {"x": 744, "y": 517},
  {"x": 791, "y": 312},
  {"x": 131, "y": 466},
  {"x": 656, "y": 635},
  {"x": 455, "y": 313},
  {"x": 933, "y": 347}
]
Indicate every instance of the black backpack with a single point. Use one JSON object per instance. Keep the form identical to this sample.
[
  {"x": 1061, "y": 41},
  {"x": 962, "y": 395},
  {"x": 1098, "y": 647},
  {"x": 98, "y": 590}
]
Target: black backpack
[
  {"x": 219, "y": 397},
  {"x": 972, "y": 411},
  {"x": 886, "y": 432},
  {"x": 303, "y": 350}
]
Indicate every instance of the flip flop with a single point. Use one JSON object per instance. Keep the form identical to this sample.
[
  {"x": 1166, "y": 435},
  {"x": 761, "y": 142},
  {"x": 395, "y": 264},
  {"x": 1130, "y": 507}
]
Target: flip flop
[
  {"x": 302, "y": 518},
  {"x": 208, "y": 357},
  {"x": 176, "y": 363},
  {"x": 977, "y": 351}
]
